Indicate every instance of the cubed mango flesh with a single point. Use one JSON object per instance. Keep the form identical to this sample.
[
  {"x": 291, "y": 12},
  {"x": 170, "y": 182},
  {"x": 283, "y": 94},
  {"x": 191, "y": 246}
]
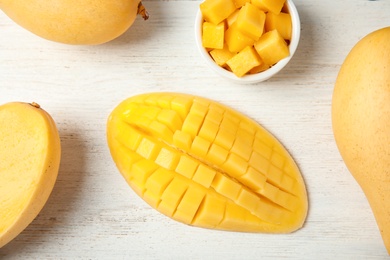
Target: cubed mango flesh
[
  {"x": 213, "y": 35},
  {"x": 224, "y": 38},
  {"x": 221, "y": 56},
  {"x": 272, "y": 47},
  {"x": 244, "y": 61},
  {"x": 215, "y": 11},
  {"x": 236, "y": 40},
  {"x": 240, "y": 3},
  {"x": 215, "y": 168},
  {"x": 232, "y": 18},
  {"x": 250, "y": 21},
  {"x": 280, "y": 22},
  {"x": 273, "y": 6}
]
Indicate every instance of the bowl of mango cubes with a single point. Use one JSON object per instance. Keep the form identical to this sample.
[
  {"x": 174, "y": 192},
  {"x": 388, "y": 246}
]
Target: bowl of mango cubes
[{"x": 247, "y": 41}]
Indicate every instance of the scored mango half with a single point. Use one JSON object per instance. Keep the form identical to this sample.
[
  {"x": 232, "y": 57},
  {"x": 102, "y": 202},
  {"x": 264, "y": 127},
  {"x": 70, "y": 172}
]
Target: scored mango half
[{"x": 204, "y": 164}]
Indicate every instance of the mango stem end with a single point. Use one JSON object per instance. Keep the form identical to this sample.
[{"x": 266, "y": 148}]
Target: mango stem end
[{"x": 142, "y": 11}]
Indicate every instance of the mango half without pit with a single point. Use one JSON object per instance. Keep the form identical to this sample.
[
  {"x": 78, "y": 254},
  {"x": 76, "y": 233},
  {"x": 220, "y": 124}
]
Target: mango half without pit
[
  {"x": 78, "y": 22},
  {"x": 30, "y": 154},
  {"x": 204, "y": 164}
]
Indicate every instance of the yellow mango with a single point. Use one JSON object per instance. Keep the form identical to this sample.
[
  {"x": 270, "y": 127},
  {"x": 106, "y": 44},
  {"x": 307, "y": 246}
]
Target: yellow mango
[
  {"x": 214, "y": 168},
  {"x": 75, "y": 22},
  {"x": 260, "y": 5},
  {"x": 30, "y": 154},
  {"x": 236, "y": 40},
  {"x": 215, "y": 11},
  {"x": 213, "y": 35},
  {"x": 272, "y": 47},
  {"x": 221, "y": 56},
  {"x": 262, "y": 67},
  {"x": 280, "y": 22},
  {"x": 273, "y": 6},
  {"x": 232, "y": 18},
  {"x": 240, "y": 3},
  {"x": 244, "y": 61},
  {"x": 361, "y": 121},
  {"x": 250, "y": 21}
]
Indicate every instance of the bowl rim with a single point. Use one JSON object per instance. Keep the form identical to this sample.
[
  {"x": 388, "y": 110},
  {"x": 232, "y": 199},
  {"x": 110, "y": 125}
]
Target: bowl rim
[{"x": 261, "y": 76}]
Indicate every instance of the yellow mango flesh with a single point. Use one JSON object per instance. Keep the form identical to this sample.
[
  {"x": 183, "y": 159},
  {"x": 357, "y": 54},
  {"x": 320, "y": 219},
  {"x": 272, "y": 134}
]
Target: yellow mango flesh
[
  {"x": 272, "y": 47},
  {"x": 232, "y": 18},
  {"x": 215, "y": 11},
  {"x": 30, "y": 154},
  {"x": 273, "y": 6},
  {"x": 221, "y": 56},
  {"x": 250, "y": 21},
  {"x": 213, "y": 35},
  {"x": 204, "y": 164},
  {"x": 241, "y": 3},
  {"x": 236, "y": 40},
  {"x": 73, "y": 21},
  {"x": 251, "y": 24},
  {"x": 280, "y": 22},
  {"x": 244, "y": 61}
]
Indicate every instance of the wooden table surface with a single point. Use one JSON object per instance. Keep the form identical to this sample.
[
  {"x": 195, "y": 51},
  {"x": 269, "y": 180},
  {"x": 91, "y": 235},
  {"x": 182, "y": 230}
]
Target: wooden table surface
[{"x": 93, "y": 214}]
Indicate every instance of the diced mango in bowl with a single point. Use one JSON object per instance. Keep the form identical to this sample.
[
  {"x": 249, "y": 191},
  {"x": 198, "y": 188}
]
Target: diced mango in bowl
[
  {"x": 213, "y": 35},
  {"x": 246, "y": 36}
]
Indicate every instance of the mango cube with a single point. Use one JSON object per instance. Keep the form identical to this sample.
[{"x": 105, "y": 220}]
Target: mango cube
[
  {"x": 232, "y": 18},
  {"x": 244, "y": 61},
  {"x": 213, "y": 35},
  {"x": 215, "y": 11},
  {"x": 250, "y": 21},
  {"x": 273, "y": 6},
  {"x": 281, "y": 22},
  {"x": 262, "y": 67},
  {"x": 260, "y": 5},
  {"x": 272, "y": 47},
  {"x": 241, "y": 3},
  {"x": 221, "y": 56},
  {"x": 236, "y": 40}
]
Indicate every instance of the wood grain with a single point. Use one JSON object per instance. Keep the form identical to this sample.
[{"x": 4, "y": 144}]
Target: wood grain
[{"x": 93, "y": 214}]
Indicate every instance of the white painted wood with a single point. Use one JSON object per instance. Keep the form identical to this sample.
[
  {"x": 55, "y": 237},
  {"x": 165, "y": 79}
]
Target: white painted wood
[{"x": 93, "y": 214}]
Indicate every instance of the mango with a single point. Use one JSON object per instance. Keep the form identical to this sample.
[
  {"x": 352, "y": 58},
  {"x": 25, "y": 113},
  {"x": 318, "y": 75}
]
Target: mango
[
  {"x": 83, "y": 22},
  {"x": 232, "y": 18},
  {"x": 238, "y": 24},
  {"x": 235, "y": 40},
  {"x": 244, "y": 61},
  {"x": 215, "y": 11},
  {"x": 361, "y": 121},
  {"x": 280, "y": 22},
  {"x": 272, "y": 47},
  {"x": 213, "y": 35},
  {"x": 30, "y": 155},
  {"x": 221, "y": 56},
  {"x": 204, "y": 164},
  {"x": 250, "y": 21},
  {"x": 273, "y": 6}
]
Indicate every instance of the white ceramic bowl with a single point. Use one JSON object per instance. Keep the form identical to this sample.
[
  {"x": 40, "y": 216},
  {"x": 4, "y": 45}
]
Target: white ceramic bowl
[{"x": 258, "y": 77}]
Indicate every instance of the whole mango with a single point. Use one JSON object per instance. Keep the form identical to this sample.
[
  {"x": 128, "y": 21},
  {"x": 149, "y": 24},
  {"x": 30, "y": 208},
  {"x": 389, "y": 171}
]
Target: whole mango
[
  {"x": 361, "y": 121},
  {"x": 80, "y": 22}
]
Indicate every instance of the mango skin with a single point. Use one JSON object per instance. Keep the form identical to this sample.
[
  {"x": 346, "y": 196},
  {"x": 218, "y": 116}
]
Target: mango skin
[
  {"x": 79, "y": 22},
  {"x": 30, "y": 157},
  {"x": 361, "y": 121}
]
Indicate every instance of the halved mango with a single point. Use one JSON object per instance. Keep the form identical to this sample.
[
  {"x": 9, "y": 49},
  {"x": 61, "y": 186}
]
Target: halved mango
[
  {"x": 216, "y": 169},
  {"x": 30, "y": 154}
]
